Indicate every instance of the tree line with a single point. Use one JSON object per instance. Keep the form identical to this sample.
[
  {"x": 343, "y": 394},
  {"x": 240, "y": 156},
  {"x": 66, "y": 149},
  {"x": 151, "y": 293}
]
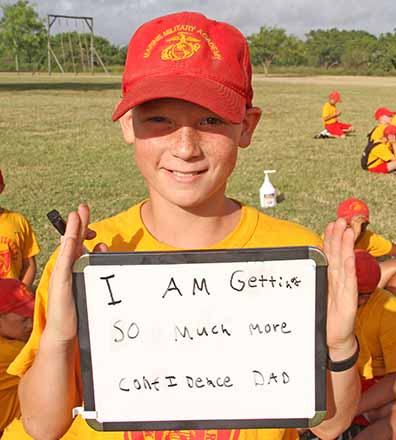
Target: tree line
[{"x": 23, "y": 46}]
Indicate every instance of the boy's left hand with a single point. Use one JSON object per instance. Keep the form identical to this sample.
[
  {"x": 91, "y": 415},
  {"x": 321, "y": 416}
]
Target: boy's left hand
[{"x": 342, "y": 293}]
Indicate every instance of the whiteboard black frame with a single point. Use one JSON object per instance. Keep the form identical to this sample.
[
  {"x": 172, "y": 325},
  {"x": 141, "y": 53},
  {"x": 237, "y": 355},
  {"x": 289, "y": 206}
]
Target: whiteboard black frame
[{"x": 203, "y": 256}]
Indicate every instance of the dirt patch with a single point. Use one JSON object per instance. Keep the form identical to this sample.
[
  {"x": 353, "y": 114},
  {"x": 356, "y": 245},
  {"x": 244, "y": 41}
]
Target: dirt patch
[{"x": 373, "y": 81}]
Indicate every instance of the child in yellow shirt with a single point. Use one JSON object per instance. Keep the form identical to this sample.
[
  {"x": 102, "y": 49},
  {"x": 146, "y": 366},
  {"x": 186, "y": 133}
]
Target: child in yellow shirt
[
  {"x": 330, "y": 116},
  {"x": 18, "y": 245}
]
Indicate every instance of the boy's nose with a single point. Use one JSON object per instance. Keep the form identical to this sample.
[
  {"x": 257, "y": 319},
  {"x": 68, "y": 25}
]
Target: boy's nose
[{"x": 186, "y": 144}]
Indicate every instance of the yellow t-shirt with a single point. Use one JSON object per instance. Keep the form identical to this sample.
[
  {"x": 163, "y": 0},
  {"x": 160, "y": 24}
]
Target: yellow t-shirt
[
  {"x": 327, "y": 111},
  {"x": 378, "y": 133},
  {"x": 17, "y": 242},
  {"x": 376, "y": 330},
  {"x": 381, "y": 153},
  {"x": 393, "y": 121},
  {"x": 9, "y": 404},
  {"x": 126, "y": 232},
  {"x": 374, "y": 244}
]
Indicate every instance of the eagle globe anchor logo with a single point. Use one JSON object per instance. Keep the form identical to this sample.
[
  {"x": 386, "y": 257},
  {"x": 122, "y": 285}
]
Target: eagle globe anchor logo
[{"x": 183, "y": 46}]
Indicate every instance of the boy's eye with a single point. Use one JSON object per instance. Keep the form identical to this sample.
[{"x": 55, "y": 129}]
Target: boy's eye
[
  {"x": 157, "y": 119},
  {"x": 212, "y": 120}
]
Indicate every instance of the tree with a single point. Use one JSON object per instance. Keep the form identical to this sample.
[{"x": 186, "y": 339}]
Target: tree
[
  {"x": 359, "y": 48},
  {"x": 22, "y": 32},
  {"x": 267, "y": 45},
  {"x": 385, "y": 55},
  {"x": 325, "y": 47}
]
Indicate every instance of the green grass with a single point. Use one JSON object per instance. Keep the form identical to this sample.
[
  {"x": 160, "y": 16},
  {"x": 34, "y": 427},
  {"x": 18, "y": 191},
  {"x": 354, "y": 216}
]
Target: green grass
[{"x": 59, "y": 147}]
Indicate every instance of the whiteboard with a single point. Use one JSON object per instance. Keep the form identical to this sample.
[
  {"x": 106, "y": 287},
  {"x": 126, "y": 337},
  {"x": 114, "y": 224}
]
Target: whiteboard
[{"x": 202, "y": 339}]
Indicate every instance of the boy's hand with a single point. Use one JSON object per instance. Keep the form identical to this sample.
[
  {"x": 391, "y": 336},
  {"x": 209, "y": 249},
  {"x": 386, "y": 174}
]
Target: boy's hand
[
  {"x": 61, "y": 326},
  {"x": 342, "y": 295},
  {"x": 337, "y": 114}
]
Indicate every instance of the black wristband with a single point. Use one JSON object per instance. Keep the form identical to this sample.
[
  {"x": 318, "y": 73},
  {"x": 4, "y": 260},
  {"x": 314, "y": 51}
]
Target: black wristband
[{"x": 346, "y": 364}]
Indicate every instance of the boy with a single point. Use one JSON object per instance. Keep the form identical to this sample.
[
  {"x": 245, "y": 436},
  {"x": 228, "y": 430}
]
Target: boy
[
  {"x": 16, "y": 313},
  {"x": 187, "y": 108},
  {"x": 382, "y": 158},
  {"x": 356, "y": 213},
  {"x": 330, "y": 116},
  {"x": 384, "y": 117},
  {"x": 376, "y": 331},
  {"x": 18, "y": 245}
]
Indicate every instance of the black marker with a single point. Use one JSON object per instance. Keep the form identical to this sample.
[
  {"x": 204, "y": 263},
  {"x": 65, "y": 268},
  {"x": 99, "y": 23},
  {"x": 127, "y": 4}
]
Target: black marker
[{"x": 56, "y": 219}]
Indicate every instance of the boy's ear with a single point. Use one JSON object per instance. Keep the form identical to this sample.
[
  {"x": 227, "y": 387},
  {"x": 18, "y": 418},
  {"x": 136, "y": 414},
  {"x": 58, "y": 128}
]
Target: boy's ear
[
  {"x": 249, "y": 124},
  {"x": 126, "y": 122}
]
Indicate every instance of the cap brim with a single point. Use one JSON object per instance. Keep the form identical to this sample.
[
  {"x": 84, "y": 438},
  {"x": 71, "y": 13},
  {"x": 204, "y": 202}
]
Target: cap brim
[
  {"x": 205, "y": 92},
  {"x": 25, "y": 309}
]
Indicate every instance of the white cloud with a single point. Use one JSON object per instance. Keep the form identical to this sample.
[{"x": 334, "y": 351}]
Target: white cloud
[{"x": 116, "y": 20}]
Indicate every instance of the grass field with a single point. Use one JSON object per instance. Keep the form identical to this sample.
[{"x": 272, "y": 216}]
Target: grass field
[{"x": 58, "y": 147}]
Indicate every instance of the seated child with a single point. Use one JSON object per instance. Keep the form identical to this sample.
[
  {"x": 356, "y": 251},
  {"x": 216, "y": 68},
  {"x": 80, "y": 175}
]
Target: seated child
[
  {"x": 187, "y": 108},
  {"x": 384, "y": 117},
  {"x": 18, "y": 245},
  {"x": 382, "y": 158},
  {"x": 330, "y": 116},
  {"x": 376, "y": 331},
  {"x": 356, "y": 214},
  {"x": 16, "y": 313}
]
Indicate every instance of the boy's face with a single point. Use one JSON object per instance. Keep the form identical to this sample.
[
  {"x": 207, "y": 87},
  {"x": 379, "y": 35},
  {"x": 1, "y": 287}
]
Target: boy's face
[
  {"x": 184, "y": 151},
  {"x": 13, "y": 326},
  {"x": 385, "y": 120},
  {"x": 333, "y": 101}
]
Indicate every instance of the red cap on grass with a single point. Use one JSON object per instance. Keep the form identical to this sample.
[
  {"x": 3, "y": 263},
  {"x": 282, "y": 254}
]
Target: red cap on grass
[
  {"x": 188, "y": 56},
  {"x": 368, "y": 271},
  {"x": 15, "y": 298},
  {"x": 389, "y": 130},
  {"x": 352, "y": 207},
  {"x": 336, "y": 96},
  {"x": 383, "y": 111}
]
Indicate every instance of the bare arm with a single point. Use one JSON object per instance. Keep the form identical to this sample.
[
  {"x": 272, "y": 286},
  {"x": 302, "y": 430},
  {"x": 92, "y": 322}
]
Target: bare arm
[
  {"x": 343, "y": 387},
  {"x": 28, "y": 272},
  {"x": 379, "y": 394},
  {"x": 48, "y": 391},
  {"x": 328, "y": 118}
]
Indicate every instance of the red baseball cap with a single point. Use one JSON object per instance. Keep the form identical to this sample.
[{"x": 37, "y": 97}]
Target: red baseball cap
[
  {"x": 390, "y": 129},
  {"x": 15, "y": 298},
  {"x": 351, "y": 207},
  {"x": 188, "y": 56},
  {"x": 335, "y": 95},
  {"x": 383, "y": 111},
  {"x": 368, "y": 272}
]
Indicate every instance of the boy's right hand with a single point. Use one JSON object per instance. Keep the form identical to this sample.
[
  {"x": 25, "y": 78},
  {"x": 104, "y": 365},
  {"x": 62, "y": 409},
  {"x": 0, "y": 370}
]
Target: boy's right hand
[{"x": 61, "y": 326}]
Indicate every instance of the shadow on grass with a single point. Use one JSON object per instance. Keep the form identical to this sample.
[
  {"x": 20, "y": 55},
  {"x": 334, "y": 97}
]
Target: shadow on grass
[{"x": 60, "y": 86}]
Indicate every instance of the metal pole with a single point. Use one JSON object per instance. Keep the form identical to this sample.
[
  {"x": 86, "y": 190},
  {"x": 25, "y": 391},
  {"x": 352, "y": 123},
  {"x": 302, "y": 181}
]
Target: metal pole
[
  {"x": 49, "y": 46},
  {"x": 92, "y": 47}
]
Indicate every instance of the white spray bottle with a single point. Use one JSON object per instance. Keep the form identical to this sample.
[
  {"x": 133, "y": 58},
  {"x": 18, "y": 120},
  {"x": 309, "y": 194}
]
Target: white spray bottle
[{"x": 267, "y": 191}]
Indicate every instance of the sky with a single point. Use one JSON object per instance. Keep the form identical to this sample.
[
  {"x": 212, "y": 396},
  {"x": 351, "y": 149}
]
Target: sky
[{"x": 116, "y": 20}]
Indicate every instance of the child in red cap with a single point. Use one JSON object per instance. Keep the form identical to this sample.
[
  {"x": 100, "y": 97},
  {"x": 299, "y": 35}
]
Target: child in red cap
[
  {"x": 187, "y": 108},
  {"x": 16, "y": 314},
  {"x": 330, "y": 116},
  {"x": 356, "y": 213},
  {"x": 376, "y": 331},
  {"x": 382, "y": 158},
  {"x": 18, "y": 245},
  {"x": 376, "y": 139}
]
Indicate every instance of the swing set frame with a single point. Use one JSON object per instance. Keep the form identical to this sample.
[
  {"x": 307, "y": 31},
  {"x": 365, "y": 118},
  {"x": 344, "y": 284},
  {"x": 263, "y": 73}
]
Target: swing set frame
[{"x": 51, "y": 20}]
